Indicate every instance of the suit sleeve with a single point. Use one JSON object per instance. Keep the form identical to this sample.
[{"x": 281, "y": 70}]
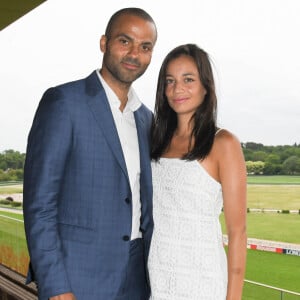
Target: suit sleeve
[{"x": 47, "y": 152}]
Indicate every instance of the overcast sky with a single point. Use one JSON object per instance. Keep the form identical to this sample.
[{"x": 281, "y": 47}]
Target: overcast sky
[{"x": 254, "y": 46}]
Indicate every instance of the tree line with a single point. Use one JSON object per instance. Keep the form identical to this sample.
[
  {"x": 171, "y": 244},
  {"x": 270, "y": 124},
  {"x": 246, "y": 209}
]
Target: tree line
[
  {"x": 272, "y": 160},
  {"x": 260, "y": 159},
  {"x": 11, "y": 165}
]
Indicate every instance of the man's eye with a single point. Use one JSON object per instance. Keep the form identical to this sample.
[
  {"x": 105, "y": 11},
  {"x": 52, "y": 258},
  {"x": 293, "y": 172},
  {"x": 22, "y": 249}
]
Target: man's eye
[
  {"x": 146, "y": 48},
  {"x": 123, "y": 41}
]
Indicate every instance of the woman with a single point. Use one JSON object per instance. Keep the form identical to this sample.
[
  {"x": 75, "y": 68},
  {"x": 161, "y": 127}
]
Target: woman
[{"x": 197, "y": 169}]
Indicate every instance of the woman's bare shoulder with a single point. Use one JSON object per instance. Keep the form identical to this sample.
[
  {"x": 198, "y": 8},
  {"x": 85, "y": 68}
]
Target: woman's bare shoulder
[
  {"x": 225, "y": 136},
  {"x": 225, "y": 141}
]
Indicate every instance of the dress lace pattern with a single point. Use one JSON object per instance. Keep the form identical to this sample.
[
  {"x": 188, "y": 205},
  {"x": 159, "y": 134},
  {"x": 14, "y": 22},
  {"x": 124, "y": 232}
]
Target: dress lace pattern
[{"x": 187, "y": 260}]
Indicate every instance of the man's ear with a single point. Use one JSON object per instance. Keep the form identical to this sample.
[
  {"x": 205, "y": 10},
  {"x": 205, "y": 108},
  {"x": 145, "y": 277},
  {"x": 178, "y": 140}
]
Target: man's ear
[{"x": 103, "y": 41}]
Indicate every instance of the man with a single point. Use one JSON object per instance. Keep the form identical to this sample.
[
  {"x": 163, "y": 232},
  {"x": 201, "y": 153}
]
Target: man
[{"x": 87, "y": 181}]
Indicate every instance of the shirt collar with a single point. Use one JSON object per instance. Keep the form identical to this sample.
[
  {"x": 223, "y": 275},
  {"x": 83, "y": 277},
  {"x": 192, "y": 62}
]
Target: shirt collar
[{"x": 133, "y": 102}]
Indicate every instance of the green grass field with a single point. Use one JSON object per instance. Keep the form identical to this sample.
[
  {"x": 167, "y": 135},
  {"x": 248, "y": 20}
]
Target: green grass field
[
  {"x": 274, "y": 196},
  {"x": 11, "y": 189},
  {"x": 272, "y": 226},
  {"x": 273, "y": 269},
  {"x": 276, "y": 192},
  {"x": 261, "y": 179},
  {"x": 279, "y": 270},
  {"x": 12, "y": 232},
  {"x": 13, "y": 247},
  {"x": 12, "y": 215}
]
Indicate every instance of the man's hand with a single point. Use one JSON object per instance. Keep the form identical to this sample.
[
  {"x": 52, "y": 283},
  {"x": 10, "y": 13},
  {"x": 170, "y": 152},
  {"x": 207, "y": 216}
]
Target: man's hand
[{"x": 66, "y": 296}]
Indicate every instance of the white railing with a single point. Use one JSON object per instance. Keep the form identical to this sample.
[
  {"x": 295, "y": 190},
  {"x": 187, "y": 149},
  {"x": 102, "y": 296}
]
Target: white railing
[{"x": 281, "y": 291}]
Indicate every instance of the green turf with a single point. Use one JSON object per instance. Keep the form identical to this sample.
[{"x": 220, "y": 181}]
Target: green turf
[
  {"x": 261, "y": 179},
  {"x": 12, "y": 232},
  {"x": 13, "y": 248},
  {"x": 274, "y": 196},
  {"x": 272, "y": 226},
  {"x": 6, "y": 183},
  {"x": 12, "y": 215},
  {"x": 11, "y": 189},
  {"x": 278, "y": 270}
]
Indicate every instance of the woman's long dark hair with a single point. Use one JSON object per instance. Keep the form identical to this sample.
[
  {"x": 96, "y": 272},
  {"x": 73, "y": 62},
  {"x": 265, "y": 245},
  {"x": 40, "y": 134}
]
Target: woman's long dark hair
[{"x": 204, "y": 119}]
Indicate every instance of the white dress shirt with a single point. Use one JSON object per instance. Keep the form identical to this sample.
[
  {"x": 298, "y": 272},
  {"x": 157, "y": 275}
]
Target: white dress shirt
[{"x": 126, "y": 127}]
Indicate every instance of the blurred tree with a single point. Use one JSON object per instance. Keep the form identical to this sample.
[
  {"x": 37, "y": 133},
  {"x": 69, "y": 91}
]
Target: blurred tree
[{"x": 291, "y": 165}]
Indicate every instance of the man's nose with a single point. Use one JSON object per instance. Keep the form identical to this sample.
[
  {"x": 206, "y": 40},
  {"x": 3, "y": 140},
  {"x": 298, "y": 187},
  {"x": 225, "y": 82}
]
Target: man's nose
[{"x": 134, "y": 50}]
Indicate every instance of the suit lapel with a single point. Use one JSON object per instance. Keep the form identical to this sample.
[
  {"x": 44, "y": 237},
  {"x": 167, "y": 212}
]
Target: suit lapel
[{"x": 98, "y": 103}]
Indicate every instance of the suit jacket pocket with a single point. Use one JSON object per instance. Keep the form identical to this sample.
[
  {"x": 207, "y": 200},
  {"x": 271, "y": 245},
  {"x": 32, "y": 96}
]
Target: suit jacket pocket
[{"x": 76, "y": 233}]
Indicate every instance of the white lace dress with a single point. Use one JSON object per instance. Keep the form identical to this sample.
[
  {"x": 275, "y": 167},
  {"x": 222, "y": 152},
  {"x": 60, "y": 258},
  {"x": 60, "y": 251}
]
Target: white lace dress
[{"x": 187, "y": 260}]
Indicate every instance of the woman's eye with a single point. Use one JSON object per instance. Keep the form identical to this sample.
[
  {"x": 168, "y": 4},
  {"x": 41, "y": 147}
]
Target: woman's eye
[
  {"x": 189, "y": 79},
  {"x": 169, "y": 81}
]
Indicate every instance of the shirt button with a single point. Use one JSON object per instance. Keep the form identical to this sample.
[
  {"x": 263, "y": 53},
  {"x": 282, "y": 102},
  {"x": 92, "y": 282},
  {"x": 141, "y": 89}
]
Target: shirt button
[
  {"x": 125, "y": 238},
  {"x": 127, "y": 200}
]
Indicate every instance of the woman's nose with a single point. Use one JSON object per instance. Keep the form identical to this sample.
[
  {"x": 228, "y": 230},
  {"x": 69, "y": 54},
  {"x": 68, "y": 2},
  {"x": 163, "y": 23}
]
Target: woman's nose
[{"x": 178, "y": 87}]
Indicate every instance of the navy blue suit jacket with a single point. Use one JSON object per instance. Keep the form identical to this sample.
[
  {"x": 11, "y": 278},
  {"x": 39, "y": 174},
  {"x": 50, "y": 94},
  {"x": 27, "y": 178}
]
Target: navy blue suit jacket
[{"x": 76, "y": 190}]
